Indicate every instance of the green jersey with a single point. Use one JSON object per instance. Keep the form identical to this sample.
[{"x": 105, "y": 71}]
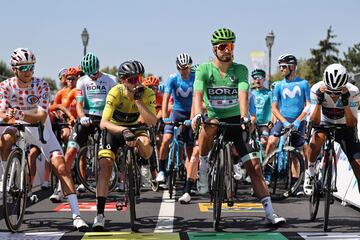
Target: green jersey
[{"x": 221, "y": 95}]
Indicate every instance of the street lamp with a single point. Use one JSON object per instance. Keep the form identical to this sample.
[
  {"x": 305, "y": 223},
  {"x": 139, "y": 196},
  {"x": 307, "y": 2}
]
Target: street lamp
[
  {"x": 269, "y": 43},
  {"x": 85, "y": 39}
]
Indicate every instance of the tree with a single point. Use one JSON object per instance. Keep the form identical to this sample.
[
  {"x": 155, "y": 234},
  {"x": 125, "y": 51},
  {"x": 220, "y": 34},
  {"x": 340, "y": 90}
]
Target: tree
[
  {"x": 52, "y": 83},
  {"x": 326, "y": 54},
  {"x": 5, "y": 72},
  {"x": 352, "y": 59}
]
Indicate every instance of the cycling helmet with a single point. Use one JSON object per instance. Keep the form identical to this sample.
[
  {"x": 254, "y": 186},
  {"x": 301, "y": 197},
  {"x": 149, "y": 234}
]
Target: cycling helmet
[
  {"x": 130, "y": 68},
  {"x": 258, "y": 72},
  {"x": 194, "y": 67},
  {"x": 61, "y": 73},
  {"x": 335, "y": 77},
  {"x": 90, "y": 64},
  {"x": 223, "y": 35},
  {"x": 288, "y": 59},
  {"x": 151, "y": 81},
  {"x": 71, "y": 71},
  {"x": 22, "y": 56},
  {"x": 183, "y": 59}
]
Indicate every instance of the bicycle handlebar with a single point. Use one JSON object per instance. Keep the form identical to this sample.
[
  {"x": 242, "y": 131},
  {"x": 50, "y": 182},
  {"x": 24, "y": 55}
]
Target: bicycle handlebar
[{"x": 21, "y": 127}]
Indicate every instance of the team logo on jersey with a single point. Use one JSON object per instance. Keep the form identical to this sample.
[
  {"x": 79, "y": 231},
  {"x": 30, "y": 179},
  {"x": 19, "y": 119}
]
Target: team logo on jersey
[
  {"x": 222, "y": 91},
  {"x": 291, "y": 93},
  {"x": 13, "y": 98},
  {"x": 32, "y": 99},
  {"x": 45, "y": 95},
  {"x": 182, "y": 93}
]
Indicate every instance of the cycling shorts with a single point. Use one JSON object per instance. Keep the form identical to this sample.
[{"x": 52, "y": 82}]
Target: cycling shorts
[
  {"x": 297, "y": 140},
  {"x": 80, "y": 134},
  {"x": 186, "y": 134}
]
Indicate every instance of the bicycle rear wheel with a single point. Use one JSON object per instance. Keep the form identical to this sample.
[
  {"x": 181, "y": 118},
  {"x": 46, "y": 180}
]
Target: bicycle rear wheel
[
  {"x": 130, "y": 170},
  {"x": 281, "y": 184},
  {"x": 14, "y": 191},
  {"x": 219, "y": 189},
  {"x": 327, "y": 191},
  {"x": 88, "y": 154}
]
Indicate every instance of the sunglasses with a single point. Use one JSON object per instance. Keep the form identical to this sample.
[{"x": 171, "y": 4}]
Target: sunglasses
[
  {"x": 134, "y": 80},
  {"x": 258, "y": 78},
  {"x": 25, "y": 68},
  {"x": 223, "y": 46},
  {"x": 93, "y": 74},
  {"x": 183, "y": 68},
  {"x": 283, "y": 66},
  {"x": 70, "y": 79}
]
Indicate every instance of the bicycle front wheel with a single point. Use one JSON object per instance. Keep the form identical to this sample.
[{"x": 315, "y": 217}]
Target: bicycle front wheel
[
  {"x": 315, "y": 198},
  {"x": 14, "y": 191},
  {"x": 219, "y": 189},
  {"x": 327, "y": 192},
  {"x": 172, "y": 172},
  {"x": 282, "y": 184},
  {"x": 131, "y": 173}
]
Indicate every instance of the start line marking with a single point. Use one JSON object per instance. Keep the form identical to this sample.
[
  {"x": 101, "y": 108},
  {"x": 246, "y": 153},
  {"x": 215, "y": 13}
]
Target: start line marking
[
  {"x": 87, "y": 207},
  {"x": 238, "y": 207}
]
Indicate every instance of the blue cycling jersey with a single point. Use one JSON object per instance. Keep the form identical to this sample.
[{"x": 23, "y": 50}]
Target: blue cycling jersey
[
  {"x": 252, "y": 107},
  {"x": 263, "y": 98},
  {"x": 181, "y": 90},
  {"x": 291, "y": 96}
]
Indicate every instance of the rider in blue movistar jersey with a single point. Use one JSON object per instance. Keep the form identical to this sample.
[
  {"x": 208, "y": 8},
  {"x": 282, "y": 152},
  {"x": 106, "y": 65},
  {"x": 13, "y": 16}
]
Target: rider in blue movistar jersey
[{"x": 180, "y": 87}]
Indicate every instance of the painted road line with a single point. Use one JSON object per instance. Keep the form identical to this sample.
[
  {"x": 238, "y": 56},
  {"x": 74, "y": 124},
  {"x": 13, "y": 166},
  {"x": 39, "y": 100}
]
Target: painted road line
[
  {"x": 131, "y": 236},
  {"x": 87, "y": 207},
  {"x": 322, "y": 235},
  {"x": 166, "y": 213},
  {"x": 32, "y": 236},
  {"x": 235, "y": 236},
  {"x": 238, "y": 207}
]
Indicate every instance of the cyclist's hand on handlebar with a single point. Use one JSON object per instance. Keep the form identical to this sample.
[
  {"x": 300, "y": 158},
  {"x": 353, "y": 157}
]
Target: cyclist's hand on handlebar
[
  {"x": 296, "y": 124},
  {"x": 286, "y": 124},
  {"x": 187, "y": 123},
  {"x": 245, "y": 123},
  {"x": 166, "y": 120},
  {"x": 15, "y": 113},
  {"x": 71, "y": 121},
  {"x": 85, "y": 121},
  {"x": 128, "y": 135},
  {"x": 195, "y": 120}
]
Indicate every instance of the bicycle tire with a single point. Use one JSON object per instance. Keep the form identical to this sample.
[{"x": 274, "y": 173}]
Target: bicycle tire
[
  {"x": 280, "y": 188},
  {"x": 314, "y": 199},
  {"x": 53, "y": 180},
  {"x": 13, "y": 194},
  {"x": 229, "y": 180},
  {"x": 327, "y": 190},
  {"x": 172, "y": 173},
  {"x": 92, "y": 170},
  {"x": 219, "y": 189},
  {"x": 131, "y": 189}
]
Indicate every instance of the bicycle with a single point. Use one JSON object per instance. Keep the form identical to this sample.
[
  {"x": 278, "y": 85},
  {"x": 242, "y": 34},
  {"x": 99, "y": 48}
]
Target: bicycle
[
  {"x": 326, "y": 174},
  {"x": 176, "y": 146},
  {"x": 279, "y": 165},
  {"x": 16, "y": 178},
  {"x": 89, "y": 155},
  {"x": 221, "y": 181}
]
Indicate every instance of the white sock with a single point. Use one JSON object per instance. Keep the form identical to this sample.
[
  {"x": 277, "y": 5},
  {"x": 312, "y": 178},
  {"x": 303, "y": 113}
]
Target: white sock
[
  {"x": 74, "y": 205},
  {"x": 266, "y": 202},
  {"x": 59, "y": 186},
  {"x": 311, "y": 169},
  {"x": 203, "y": 165}
]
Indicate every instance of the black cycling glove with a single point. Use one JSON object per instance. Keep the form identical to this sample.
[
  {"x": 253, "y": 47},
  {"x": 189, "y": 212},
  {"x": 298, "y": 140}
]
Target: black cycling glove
[
  {"x": 320, "y": 96},
  {"x": 345, "y": 98},
  {"x": 138, "y": 92},
  {"x": 128, "y": 135}
]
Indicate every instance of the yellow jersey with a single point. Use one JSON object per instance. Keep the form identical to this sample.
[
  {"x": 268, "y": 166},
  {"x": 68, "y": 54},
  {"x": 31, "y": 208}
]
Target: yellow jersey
[{"x": 122, "y": 111}]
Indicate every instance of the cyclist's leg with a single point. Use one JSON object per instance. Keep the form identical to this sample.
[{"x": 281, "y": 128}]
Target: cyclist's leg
[
  {"x": 144, "y": 145},
  {"x": 272, "y": 140},
  {"x": 8, "y": 138},
  {"x": 32, "y": 156},
  {"x": 163, "y": 154}
]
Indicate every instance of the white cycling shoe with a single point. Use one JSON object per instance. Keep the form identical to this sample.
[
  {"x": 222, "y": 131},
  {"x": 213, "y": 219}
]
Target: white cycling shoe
[{"x": 308, "y": 183}]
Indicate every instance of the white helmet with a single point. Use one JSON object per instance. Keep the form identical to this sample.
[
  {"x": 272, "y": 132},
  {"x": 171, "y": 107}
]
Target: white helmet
[
  {"x": 183, "y": 59},
  {"x": 22, "y": 56},
  {"x": 335, "y": 76}
]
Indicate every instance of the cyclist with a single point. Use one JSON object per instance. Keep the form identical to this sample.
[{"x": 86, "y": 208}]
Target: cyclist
[
  {"x": 25, "y": 98},
  {"x": 334, "y": 101},
  {"x": 90, "y": 102},
  {"x": 223, "y": 86},
  {"x": 180, "y": 87},
  {"x": 291, "y": 104},
  {"x": 127, "y": 104}
]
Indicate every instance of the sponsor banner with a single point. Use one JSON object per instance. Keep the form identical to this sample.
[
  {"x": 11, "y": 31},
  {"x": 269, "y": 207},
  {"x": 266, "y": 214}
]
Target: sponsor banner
[{"x": 238, "y": 207}]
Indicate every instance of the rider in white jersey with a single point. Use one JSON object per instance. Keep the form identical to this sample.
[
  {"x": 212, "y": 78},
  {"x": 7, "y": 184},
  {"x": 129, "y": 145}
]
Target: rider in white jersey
[{"x": 25, "y": 99}]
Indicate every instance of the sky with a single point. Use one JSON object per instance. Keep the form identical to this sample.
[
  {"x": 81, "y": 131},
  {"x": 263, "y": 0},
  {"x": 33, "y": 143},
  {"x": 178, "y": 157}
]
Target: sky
[{"x": 156, "y": 31}]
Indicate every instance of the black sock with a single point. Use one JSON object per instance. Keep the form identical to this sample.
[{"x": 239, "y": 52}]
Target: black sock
[
  {"x": 188, "y": 186},
  {"x": 293, "y": 180},
  {"x": 162, "y": 165},
  {"x": 100, "y": 204}
]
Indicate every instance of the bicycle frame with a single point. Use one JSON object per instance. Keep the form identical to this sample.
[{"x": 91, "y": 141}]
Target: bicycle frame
[{"x": 175, "y": 145}]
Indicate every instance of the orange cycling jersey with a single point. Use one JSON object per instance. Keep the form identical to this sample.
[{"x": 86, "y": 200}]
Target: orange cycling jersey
[
  {"x": 159, "y": 99},
  {"x": 67, "y": 98}
]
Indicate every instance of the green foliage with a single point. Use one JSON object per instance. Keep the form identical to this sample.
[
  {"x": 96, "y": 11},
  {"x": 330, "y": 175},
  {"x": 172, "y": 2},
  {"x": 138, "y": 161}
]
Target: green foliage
[
  {"x": 5, "y": 72},
  {"x": 352, "y": 59},
  {"x": 52, "y": 83}
]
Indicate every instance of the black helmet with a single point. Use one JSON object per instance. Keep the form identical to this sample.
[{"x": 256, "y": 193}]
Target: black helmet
[
  {"x": 130, "y": 68},
  {"x": 288, "y": 59}
]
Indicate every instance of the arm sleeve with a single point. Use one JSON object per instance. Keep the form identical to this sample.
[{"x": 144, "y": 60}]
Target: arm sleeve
[
  {"x": 354, "y": 103},
  {"x": 4, "y": 98},
  {"x": 307, "y": 91},
  {"x": 44, "y": 96},
  {"x": 200, "y": 78},
  {"x": 313, "y": 99},
  {"x": 243, "y": 84},
  {"x": 80, "y": 91},
  {"x": 112, "y": 100},
  {"x": 277, "y": 94},
  {"x": 149, "y": 100},
  {"x": 169, "y": 84}
]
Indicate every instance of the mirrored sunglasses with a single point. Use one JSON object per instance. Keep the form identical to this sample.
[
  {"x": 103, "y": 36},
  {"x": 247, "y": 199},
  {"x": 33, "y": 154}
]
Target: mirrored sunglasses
[
  {"x": 134, "y": 80},
  {"x": 70, "y": 79},
  {"x": 283, "y": 66},
  {"x": 223, "y": 46},
  {"x": 25, "y": 68}
]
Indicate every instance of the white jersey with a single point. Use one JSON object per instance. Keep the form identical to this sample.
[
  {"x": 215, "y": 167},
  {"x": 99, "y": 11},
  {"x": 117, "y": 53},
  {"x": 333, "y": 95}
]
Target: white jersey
[
  {"x": 30, "y": 100},
  {"x": 333, "y": 111},
  {"x": 93, "y": 93}
]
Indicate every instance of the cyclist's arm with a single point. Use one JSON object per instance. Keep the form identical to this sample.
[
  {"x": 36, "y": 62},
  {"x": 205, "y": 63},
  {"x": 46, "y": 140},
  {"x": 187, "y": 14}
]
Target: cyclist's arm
[
  {"x": 146, "y": 114},
  {"x": 351, "y": 120},
  {"x": 276, "y": 112},
  {"x": 315, "y": 112},
  {"x": 66, "y": 111},
  {"x": 305, "y": 112},
  {"x": 165, "y": 105},
  {"x": 197, "y": 103}
]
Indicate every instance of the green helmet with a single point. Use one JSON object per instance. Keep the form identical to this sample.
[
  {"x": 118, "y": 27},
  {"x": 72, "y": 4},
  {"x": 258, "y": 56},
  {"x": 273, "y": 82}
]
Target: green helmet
[
  {"x": 258, "y": 72},
  {"x": 90, "y": 64},
  {"x": 223, "y": 35}
]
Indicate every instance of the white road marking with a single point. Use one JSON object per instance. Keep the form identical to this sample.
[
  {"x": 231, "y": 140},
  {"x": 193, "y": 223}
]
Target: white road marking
[
  {"x": 335, "y": 235},
  {"x": 166, "y": 213},
  {"x": 32, "y": 236}
]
